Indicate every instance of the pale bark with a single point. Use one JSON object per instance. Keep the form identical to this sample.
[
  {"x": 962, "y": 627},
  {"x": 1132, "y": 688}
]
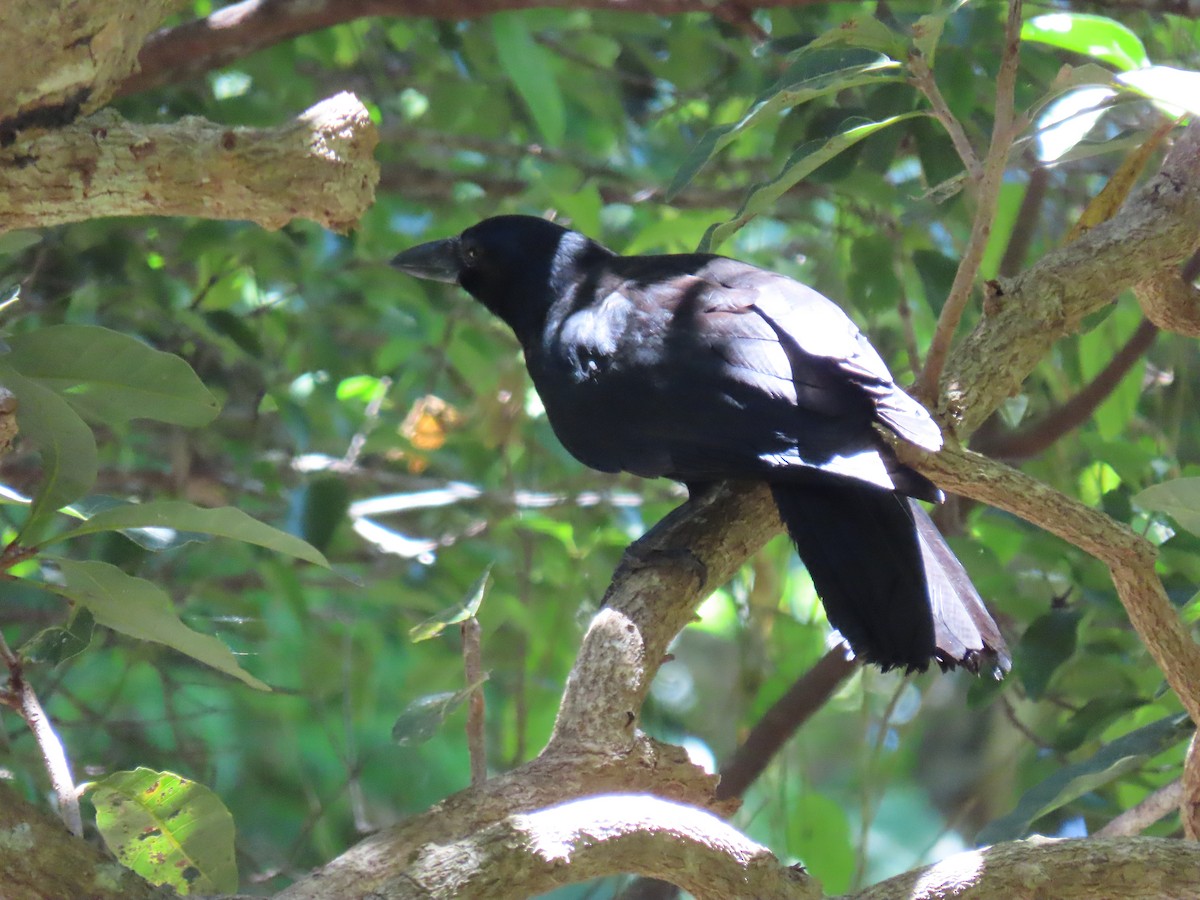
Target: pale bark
[{"x": 319, "y": 166}]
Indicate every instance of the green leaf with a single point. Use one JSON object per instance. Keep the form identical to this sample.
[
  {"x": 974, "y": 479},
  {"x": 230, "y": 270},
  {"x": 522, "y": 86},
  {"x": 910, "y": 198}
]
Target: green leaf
[
  {"x": 1047, "y": 644},
  {"x": 460, "y": 612},
  {"x": 807, "y": 158},
  {"x": 110, "y": 377},
  {"x": 812, "y": 75},
  {"x": 1123, "y": 755},
  {"x": 14, "y": 242},
  {"x": 1096, "y": 349},
  {"x": 927, "y": 30},
  {"x": 180, "y": 516},
  {"x": 818, "y": 831},
  {"x": 1088, "y": 35},
  {"x": 863, "y": 30},
  {"x": 168, "y": 829},
  {"x": 423, "y": 717},
  {"x": 54, "y": 645},
  {"x": 135, "y": 607},
  {"x": 527, "y": 63},
  {"x": 66, "y": 444},
  {"x": 1178, "y": 498}
]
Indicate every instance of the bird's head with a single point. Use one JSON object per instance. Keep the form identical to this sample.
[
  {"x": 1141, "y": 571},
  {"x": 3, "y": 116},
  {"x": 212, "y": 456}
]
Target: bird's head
[{"x": 516, "y": 266}]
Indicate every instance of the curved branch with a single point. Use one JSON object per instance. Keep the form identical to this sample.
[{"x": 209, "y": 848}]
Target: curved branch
[
  {"x": 1129, "y": 557},
  {"x": 531, "y": 853},
  {"x": 320, "y": 166},
  {"x": 1063, "y": 869},
  {"x": 1025, "y": 315},
  {"x": 808, "y": 694}
]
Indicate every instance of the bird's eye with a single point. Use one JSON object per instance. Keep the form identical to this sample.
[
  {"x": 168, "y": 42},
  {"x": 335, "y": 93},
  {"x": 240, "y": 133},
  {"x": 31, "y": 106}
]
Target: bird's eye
[{"x": 470, "y": 254}]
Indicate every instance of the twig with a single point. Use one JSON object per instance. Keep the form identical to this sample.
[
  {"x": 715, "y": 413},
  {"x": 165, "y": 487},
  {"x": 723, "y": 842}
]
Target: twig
[
  {"x": 21, "y": 697},
  {"x": 871, "y": 798},
  {"x": 1005, "y": 127},
  {"x": 1138, "y": 818},
  {"x": 473, "y": 665},
  {"x": 809, "y": 693},
  {"x": 923, "y": 80},
  {"x": 370, "y": 420}
]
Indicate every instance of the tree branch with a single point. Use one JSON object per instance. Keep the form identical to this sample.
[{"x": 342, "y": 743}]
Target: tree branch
[
  {"x": 319, "y": 166},
  {"x": 1130, "y": 868},
  {"x": 808, "y": 694},
  {"x": 526, "y": 854},
  {"x": 1129, "y": 557},
  {"x": 60, "y": 58},
  {"x": 1025, "y": 315},
  {"x": 1005, "y": 127}
]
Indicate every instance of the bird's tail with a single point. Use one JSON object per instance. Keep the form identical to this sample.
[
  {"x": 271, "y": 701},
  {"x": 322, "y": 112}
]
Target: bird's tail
[{"x": 889, "y": 582}]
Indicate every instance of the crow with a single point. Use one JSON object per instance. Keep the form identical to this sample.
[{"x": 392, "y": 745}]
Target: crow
[{"x": 699, "y": 368}]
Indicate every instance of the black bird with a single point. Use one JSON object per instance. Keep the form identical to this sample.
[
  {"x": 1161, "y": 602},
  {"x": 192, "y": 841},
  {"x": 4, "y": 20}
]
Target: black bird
[{"x": 700, "y": 368}]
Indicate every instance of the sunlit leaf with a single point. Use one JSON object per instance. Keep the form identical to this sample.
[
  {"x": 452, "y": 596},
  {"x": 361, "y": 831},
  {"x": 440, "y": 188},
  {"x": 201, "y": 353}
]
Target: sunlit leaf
[
  {"x": 1088, "y": 35},
  {"x": 460, "y": 612},
  {"x": 927, "y": 30},
  {"x": 1106, "y": 203},
  {"x": 168, "y": 829},
  {"x": 178, "y": 515},
  {"x": 1175, "y": 88},
  {"x": 864, "y": 30},
  {"x": 110, "y": 377},
  {"x": 1118, "y": 758},
  {"x": 139, "y": 609}
]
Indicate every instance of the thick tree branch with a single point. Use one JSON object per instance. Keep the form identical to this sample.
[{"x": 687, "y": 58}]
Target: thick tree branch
[
  {"x": 531, "y": 853},
  {"x": 1025, "y": 315},
  {"x": 60, "y": 58},
  {"x": 1130, "y": 868},
  {"x": 319, "y": 166},
  {"x": 33, "y": 855}
]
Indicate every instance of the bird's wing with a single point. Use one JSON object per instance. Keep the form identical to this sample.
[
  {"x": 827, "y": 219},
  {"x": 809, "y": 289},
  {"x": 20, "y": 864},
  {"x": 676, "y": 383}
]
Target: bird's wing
[{"x": 786, "y": 329}]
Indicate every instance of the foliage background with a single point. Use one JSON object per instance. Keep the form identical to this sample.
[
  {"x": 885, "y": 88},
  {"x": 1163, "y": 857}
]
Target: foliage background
[{"x": 342, "y": 382}]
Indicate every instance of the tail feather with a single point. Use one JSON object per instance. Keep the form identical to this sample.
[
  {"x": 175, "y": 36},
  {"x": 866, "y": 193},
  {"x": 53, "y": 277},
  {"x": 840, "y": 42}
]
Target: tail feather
[
  {"x": 889, "y": 582},
  {"x": 964, "y": 631}
]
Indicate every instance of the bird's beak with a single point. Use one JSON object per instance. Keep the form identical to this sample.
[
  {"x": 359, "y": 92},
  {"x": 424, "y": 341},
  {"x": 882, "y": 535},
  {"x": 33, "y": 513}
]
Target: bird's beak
[{"x": 437, "y": 261}]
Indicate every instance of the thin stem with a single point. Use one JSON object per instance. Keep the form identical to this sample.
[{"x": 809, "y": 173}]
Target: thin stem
[
  {"x": 923, "y": 80},
  {"x": 1005, "y": 127},
  {"x": 22, "y": 698},
  {"x": 473, "y": 664}
]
